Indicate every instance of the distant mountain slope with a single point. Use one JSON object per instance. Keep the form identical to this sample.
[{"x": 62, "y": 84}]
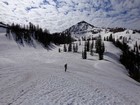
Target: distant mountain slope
[
  {"x": 80, "y": 27},
  {"x": 83, "y": 28}
]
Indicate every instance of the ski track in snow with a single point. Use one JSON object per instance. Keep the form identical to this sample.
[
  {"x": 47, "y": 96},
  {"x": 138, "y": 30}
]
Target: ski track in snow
[{"x": 31, "y": 76}]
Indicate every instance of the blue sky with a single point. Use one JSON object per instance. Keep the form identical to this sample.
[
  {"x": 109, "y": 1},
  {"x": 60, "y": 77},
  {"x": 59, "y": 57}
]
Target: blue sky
[{"x": 57, "y": 15}]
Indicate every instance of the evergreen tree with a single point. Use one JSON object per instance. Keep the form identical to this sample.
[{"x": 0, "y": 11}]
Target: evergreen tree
[
  {"x": 100, "y": 48},
  {"x": 73, "y": 47},
  {"x": 65, "y": 48},
  {"x": 104, "y": 38},
  {"x": 76, "y": 47},
  {"x": 84, "y": 53},
  {"x": 91, "y": 52},
  {"x": 88, "y": 45},
  {"x": 59, "y": 50},
  {"x": 70, "y": 47},
  {"x": 92, "y": 45},
  {"x": 110, "y": 37},
  {"x": 79, "y": 42},
  {"x": 91, "y": 48},
  {"x": 129, "y": 37},
  {"x": 107, "y": 38},
  {"x": 136, "y": 44}
]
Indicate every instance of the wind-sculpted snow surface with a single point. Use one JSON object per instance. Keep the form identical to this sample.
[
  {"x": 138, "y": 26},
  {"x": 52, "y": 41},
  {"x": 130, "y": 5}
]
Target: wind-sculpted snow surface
[{"x": 30, "y": 76}]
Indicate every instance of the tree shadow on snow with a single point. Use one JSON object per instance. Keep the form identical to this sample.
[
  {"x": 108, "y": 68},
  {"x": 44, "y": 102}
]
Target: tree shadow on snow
[
  {"x": 111, "y": 55},
  {"x": 91, "y": 59}
]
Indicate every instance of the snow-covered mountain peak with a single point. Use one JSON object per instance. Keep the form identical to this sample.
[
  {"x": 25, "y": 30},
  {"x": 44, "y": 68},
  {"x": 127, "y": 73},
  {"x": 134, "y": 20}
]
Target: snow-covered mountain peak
[{"x": 80, "y": 27}]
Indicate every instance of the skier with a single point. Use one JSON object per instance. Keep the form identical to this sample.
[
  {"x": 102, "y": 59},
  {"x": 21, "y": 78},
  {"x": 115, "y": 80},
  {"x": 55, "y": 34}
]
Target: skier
[{"x": 65, "y": 66}]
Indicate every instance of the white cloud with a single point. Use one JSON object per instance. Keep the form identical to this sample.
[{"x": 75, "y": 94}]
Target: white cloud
[{"x": 60, "y": 14}]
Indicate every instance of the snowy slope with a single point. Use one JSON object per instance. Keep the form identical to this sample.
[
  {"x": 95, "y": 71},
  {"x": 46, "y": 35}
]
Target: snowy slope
[
  {"x": 30, "y": 76},
  {"x": 131, "y": 38}
]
